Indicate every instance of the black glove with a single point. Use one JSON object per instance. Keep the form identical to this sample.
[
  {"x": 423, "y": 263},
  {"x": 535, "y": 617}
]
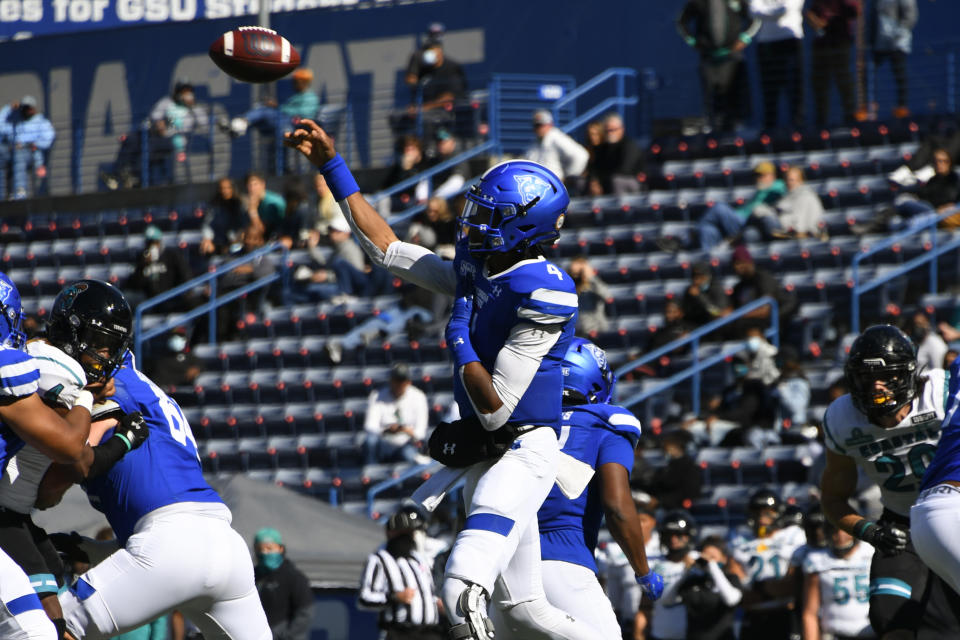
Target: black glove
[
  {"x": 888, "y": 539},
  {"x": 132, "y": 429},
  {"x": 68, "y": 544},
  {"x": 465, "y": 442}
]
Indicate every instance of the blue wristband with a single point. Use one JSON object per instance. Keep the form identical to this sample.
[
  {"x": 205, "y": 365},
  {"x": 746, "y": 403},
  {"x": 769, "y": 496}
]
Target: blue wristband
[{"x": 339, "y": 178}]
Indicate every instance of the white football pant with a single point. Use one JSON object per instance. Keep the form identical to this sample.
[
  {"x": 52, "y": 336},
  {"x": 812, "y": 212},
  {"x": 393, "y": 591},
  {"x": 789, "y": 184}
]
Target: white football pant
[
  {"x": 184, "y": 556},
  {"x": 21, "y": 615},
  {"x": 934, "y": 523}
]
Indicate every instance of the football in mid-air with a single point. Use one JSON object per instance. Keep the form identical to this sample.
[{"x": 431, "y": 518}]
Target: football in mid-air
[{"x": 254, "y": 54}]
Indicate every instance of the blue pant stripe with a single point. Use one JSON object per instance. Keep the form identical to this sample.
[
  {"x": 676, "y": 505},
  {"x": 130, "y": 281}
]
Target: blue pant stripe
[
  {"x": 82, "y": 589},
  {"x": 29, "y": 602},
  {"x": 490, "y": 522}
]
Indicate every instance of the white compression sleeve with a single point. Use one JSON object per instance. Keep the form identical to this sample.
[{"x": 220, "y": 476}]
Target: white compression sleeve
[
  {"x": 517, "y": 364},
  {"x": 366, "y": 244},
  {"x": 730, "y": 594},
  {"x": 422, "y": 267}
]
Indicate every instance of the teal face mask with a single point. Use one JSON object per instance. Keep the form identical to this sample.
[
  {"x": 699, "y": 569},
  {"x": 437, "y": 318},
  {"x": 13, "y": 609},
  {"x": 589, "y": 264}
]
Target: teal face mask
[{"x": 270, "y": 561}]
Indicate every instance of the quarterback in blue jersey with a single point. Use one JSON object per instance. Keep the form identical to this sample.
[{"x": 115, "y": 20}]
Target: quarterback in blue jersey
[
  {"x": 24, "y": 418},
  {"x": 601, "y": 438},
  {"x": 513, "y": 317},
  {"x": 935, "y": 518}
]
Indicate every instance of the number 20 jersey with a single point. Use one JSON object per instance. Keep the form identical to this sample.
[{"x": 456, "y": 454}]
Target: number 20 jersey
[
  {"x": 895, "y": 458},
  {"x": 164, "y": 470}
]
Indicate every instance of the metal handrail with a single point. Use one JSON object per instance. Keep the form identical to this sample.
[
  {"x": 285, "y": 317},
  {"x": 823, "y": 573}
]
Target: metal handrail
[
  {"x": 930, "y": 256},
  {"x": 215, "y": 301},
  {"x": 380, "y": 487},
  {"x": 699, "y": 365},
  {"x": 620, "y": 73}
]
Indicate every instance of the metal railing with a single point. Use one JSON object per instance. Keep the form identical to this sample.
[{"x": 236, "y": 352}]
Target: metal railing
[
  {"x": 693, "y": 339},
  {"x": 929, "y": 256},
  {"x": 618, "y": 101},
  {"x": 380, "y": 487},
  {"x": 209, "y": 308}
]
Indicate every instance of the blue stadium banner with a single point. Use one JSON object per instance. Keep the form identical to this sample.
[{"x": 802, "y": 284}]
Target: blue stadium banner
[{"x": 27, "y": 18}]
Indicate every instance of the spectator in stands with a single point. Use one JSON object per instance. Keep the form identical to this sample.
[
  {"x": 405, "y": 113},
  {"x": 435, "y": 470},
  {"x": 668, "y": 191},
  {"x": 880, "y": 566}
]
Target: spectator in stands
[
  {"x": 397, "y": 582},
  {"x": 711, "y": 590},
  {"x": 799, "y": 211},
  {"x": 433, "y": 36},
  {"x": 931, "y": 348},
  {"x": 780, "y": 58},
  {"x": 181, "y": 114},
  {"x": 593, "y": 294},
  {"x": 679, "y": 480},
  {"x": 449, "y": 182},
  {"x": 225, "y": 220},
  {"x": 892, "y": 26},
  {"x": 178, "y": 365},
  {"x": 940, "y": 194},
  {"x": 409, "y": 163},
  {"x": 354, "y": 277},
  {"x": 435, "y": 228},
  {"x": 266, "y": 208},
  {"x": 128, "y": 167},
  {"x": 235, "y": 312},
  {"x": 413, "y": 309},
  {"x": 831, "y": 20},
  {"x": 268, "y": 119},
  {"x": 25, "y": 138},
  {"x": 595, "y": 137},
  {"x": 704, "y": 300},
  {"x": 297, "y": 216},
  {"x": 920, "y": 166},
  {"x": 723, "y": 222},
  {"x": 755, "y": 283},
  {"x": 720, "y": 31},
  {"x": 284, "y": 590},
  {"x": 441, "y": 80},
  {"x": 675, "y": 326},
  {"x": 618, "y": 161},
  {"x": 793, "y": 389},
  {"x": 324, "y": 207},
  {"x": 396, "y": 420},
  {"x": 556, "y": 150},
  {"x": 948, "y": 358},
  {"x": 159, "y": 268}
]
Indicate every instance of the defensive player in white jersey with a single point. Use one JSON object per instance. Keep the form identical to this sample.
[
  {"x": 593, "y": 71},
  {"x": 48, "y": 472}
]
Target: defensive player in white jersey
[
  {"x": 62, "y": 380},
  {"x": 601, "y": 437},
  {"x": 678, "y": 531},
  {"x": 152, "y": 498},
  {"x": 513, "y": 317},
  {"x": 24, "y": 418},
  {"x": 837, "y": 588},
  {"x": 764, "y": 551},
  {"x": 888, "y": 425}
]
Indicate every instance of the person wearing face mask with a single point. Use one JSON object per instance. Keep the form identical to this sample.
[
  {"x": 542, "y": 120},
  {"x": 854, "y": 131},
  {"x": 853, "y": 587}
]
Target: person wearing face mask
[
  {"x": 930, "y": 346},
  {"x": 178, "y": 366},
  {"x": 284, "y": 590},
  {"x": 159, "y": 268},
  {"x": 704, "y": 300},
  {"x": 397, "y": 582}
]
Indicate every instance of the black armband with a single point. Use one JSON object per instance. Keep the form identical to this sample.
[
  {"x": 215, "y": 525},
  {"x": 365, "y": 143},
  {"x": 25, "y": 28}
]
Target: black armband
[{"x": 105, "y": 456}]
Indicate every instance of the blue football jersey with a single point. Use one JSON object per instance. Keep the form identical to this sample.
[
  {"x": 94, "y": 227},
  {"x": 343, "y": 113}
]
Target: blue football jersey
[
  {"x": 19, "y": 378},
  {"x": 594, "y": 434},
  {"x": 946, "y": 460},
  {"x": 533, "y": 291},
  {"x": 164, "y": 470}
]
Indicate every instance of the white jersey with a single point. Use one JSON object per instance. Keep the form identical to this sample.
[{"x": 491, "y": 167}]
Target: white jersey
[
  {"x": 894, "y": 458},
  {"x": 669, "y": 619},
  {"x": 844, "y": 590},
  {"x": 768, "y": 558},
  {"x": 61, "y": 381}
]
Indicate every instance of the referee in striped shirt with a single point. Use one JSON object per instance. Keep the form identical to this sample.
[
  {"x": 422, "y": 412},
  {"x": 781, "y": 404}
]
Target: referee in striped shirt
[{"x": 397, "y": 582}]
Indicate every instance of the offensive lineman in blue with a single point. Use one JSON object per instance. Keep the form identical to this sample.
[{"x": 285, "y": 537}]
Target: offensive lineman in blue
[
  {"x": 602, "y": 437},
  {"x": 25, "y": 418},
  {"x": 935, "y": 517},
  {"x": 513, "y": 317},
  {"x": 155, "y": 499}
]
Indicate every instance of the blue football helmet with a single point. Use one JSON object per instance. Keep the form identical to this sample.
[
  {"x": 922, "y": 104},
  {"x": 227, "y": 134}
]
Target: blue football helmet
[
  {"x": 11, "y": 309},
  {"x": 587, "y": 376},
  {"x": 516, "y": 204}
]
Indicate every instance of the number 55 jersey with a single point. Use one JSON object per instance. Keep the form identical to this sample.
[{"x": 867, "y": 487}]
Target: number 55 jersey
[{"x": 894, "y": 458}]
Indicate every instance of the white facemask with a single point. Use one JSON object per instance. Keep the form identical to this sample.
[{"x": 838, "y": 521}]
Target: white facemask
[{"x": 430, "y": 57}]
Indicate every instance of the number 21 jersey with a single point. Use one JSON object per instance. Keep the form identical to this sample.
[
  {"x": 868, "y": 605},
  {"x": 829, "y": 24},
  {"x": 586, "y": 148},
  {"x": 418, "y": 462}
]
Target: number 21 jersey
[{"x": 894, "y": 458}]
